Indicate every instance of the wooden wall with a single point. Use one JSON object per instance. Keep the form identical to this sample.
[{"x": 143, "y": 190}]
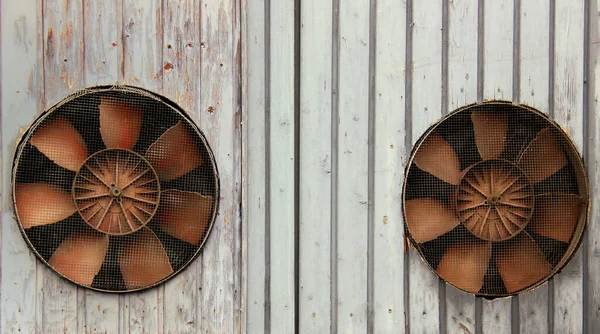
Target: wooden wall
[
  {"x": 190, "y": 52},
  {"x": 312, "y": 108},
  {"x": 369, "y": 77}
]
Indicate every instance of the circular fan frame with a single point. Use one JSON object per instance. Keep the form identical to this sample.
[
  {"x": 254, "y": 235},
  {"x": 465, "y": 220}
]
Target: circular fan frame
[
  {"x": 173, "y": 196},
  {"x": 573, "y": 158}
]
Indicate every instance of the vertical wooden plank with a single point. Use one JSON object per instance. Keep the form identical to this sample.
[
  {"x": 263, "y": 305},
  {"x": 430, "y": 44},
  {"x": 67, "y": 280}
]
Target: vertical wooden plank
[
  {"x": 63, "y": 74},
  {"x": 498, "y": 84},
  {"x": 256, "y": 165},
  {"x": 181, "y": 64},
  {"x": 315, "y": 166},
  {"x": 353, "y": 166},
  {"x": 593, "y": 167},
  {"x": 462, "y": 90},
  {"x": 388, "y": 230},
  {"x": 281, "y": 125},
  {"x": 102, "y": 65},
  {"x": 534, "y": 83},
  {"x": 426, "y": 101},
  {"x": 220, "y": 120},
  {"x": 462, "y": 53},
  {"x": 22, "y": 99},
  {"x": 142, "y": 61},
  {"x": 498, "y": 49},
  {"x": 568, "y": 104}
]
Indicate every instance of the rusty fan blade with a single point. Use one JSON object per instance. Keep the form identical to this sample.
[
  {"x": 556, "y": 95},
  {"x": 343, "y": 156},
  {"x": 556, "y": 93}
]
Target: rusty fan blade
[
  {"x": 174, "y": 154},
  {"x": 490, "y": 133},
  {"x": 80, "y": 256},
  {"x": 436, "y": 157},
  {"x": 465, "y": 263},
  {"x": 60, "y": 142},
  {"x": 521, "y": 263},
  {"x": 428, "y": 218},
  {"x": 120, "y": 123},
  {"x": 42, "y": 204},
  {"x": 556, "y": 215},
  {"x": 184, "y": 215},
  {"x": 144, "y": 261},
  {"x": 543, "y": 157}
]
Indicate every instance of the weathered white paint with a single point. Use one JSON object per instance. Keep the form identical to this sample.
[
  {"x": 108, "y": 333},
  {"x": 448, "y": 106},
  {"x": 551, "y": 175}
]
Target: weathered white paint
[
  {"x": 181, "y": 50},
  {"x": 352, "y": 174},
  {"x": 63, "y": 69},
  {"x": 102, "y": 66},
  {"x": 534, "y": 86},
  {"x": 129, "y": 42},
  {"x": 593, "y": 165},
  {"x": 256, "y": 162},
  {"x": 315, "y": 167},
  {"x": 426, "y": 110},
  {"x": 388, "y": 227},
  {"x": 462, "y": 90},
  {"x": 568, "y": 104},
  {"x": 142, "y": 59},
  {"x": 54, "y": 48},
  {"x": 497, "y": 84},
  {"x": 282, "y": 161}
]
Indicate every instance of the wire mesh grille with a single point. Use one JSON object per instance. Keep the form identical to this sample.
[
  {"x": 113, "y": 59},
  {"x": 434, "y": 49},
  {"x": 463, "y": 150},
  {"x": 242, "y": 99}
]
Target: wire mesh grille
[
  {"x": 115, "y": 188},
  {"x": 495, "y": 198}
]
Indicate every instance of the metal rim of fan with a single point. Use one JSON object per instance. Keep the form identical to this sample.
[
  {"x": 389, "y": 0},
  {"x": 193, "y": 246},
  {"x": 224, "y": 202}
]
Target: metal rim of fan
[
  {"x": 573, "y": 158},
  {"x": 154, "y": 98}
]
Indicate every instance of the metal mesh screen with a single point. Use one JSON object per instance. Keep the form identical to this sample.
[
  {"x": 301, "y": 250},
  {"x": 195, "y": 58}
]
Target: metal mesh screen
[
  {"x": 115, "y": 188},
  {"x": 495, "y": 198}
]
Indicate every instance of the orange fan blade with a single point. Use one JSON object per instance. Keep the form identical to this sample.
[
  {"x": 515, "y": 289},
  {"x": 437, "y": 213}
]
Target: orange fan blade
[
  {"x": 556, "y": 215},
  {"x": 436, "y": 157},
  {"x": 428, "y": 218},
  {"x": 490, "y": 133},
  {"x": 465, "y": 263},
  {"x": 174, "y": 154},
  {"x": 184, "y": 215},
  {"x": 144, "y": 261},
  {"x": 120, "y": 123},
  {"x": 543, "y": 157},
  {"x": 60, "y": 142},
  {"x": 80, "y": 256},
  {"x": 521, "y": 263},
  {"x": 42, "y": 204}
]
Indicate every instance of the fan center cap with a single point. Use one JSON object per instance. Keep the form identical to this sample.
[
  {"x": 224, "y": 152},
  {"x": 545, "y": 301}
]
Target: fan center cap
[
  {"x": 494, "y": 200},
  {"x": 116, "y": 191}
]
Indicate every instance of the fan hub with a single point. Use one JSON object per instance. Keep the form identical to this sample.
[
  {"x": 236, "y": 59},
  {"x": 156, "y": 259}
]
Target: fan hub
[
  {"x": 494, "y": 200},
  {"x": 116, "y": 191}
]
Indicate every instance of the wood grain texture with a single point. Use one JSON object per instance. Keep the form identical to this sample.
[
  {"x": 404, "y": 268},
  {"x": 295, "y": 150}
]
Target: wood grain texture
[
  {"x": 63, "y": 74},
  {"x": 534, "y": 83},
  {"x": 220, "y": 118},
  {"x": 498, "y": 84},
  {"x": 498, "y": 49},
  {"x": 462, "y": 90},
  {"x": 22, "y": 98},
  {"x": 426, "y": 110},
  {"x": 256, "y": 157},
  {"x": 142, "y": 61},
  {"x": 352, "y": 155},
  {"x": 282, "y": 155},
  {"x": 388, "y": 230},
  {"x": 593, "y": 164},
  {"x": 568, "y": 105},
  {"x": 102, "y": 65},
  {"x": 181, "y": 70},
  {"x": 315, "y": 167}
]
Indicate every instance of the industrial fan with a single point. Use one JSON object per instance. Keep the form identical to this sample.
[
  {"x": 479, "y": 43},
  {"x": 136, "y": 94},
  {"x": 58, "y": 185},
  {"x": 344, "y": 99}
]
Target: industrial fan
[
  {"x": 115, "y": 188},
  {"x": 495, "y": 198}
]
